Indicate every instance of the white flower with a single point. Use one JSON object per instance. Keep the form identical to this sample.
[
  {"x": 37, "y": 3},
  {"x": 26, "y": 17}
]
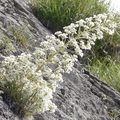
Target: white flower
[
  {"x": 58, "y": 33},
  {"x": 93, "y": 36},
  {"x": 91, "y": 24},
  {"x": 38, "y": 73},
  {"x": 71, "y": 29},
  {"x": 63, "y": 35},
  {"x": 99, "y": 34},
  {"x": 82, "y": 45},
  {"x": 85, "y": 35},
  {"x": 89, "y": 19},
  {"x": 81, "y": 23},
  {"x": 88, "y": 46}
]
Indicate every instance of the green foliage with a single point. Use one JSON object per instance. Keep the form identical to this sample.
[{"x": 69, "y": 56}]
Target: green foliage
[
  {"x": 13, "y": 95},
  {"x": 55, "y": 14},
  {"x": 103, "y": 59},
  {"x": 29, "y": 80},
  {"x": 107, "y": 70}
]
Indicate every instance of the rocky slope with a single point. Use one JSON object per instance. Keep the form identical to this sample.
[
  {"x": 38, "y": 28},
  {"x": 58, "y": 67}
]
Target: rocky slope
[
  {"x": 19, "y": 29},
  {"x": 80, "y": 97}
]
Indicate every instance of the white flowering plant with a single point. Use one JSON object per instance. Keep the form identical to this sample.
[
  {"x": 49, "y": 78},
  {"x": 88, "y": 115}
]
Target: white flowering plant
[
  {"x": 83, "y": 34},
  {"x": 103, "y": 59},
  {"x": 31, "y": 79}
]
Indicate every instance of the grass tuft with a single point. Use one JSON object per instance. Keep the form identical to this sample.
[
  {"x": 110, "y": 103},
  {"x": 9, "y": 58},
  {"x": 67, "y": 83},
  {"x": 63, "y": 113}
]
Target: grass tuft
[
  {"x": 108, "y": 71},
  {"x": 55, "y": 14}
]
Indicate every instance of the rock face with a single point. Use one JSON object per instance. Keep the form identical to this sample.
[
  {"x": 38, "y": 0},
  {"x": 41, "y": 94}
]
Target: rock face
[
  {"x": 84, "y": 97},
  {"x": 5, "y": 113},
  {"x": 80, "y": 97},
  {"x": 19, "y": 29}
]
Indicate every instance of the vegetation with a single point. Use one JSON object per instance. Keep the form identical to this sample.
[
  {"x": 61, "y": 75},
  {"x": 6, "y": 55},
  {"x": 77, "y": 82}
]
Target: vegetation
[
  {"x": 108, "y": 71},
  {"x": 104, "y": 58},
  {"x": 21, "y": 37},
  {"x": 29, "y": 80},
  {"x": 55, "y": 14},
  {"x": 6, "y": 46}
]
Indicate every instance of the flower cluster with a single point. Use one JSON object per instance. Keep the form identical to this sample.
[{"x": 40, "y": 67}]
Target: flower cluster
[
  {"x": 83, "y": 34},
  {"x": 37, "y": 74}
]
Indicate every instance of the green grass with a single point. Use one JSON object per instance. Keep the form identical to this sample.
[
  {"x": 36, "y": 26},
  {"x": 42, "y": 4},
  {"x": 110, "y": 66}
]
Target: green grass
[
  {"x": 108, "y": 71},
  {"x": 55, "y": 14},
  {"x": 13, "y": 95}
]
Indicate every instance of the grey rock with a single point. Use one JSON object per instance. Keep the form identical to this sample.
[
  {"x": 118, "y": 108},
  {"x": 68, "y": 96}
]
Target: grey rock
[
  {"x": 17, "y": 15},
  {"x": 5, "y": 113},
  {"x": 81, "y": 96},
  {"x": 79, "y": 102}
]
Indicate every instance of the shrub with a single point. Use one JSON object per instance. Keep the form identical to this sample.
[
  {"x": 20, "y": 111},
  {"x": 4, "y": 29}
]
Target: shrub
[
  {"x": 29, "y": 80},
  {"x": 55, "y": 14}
]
